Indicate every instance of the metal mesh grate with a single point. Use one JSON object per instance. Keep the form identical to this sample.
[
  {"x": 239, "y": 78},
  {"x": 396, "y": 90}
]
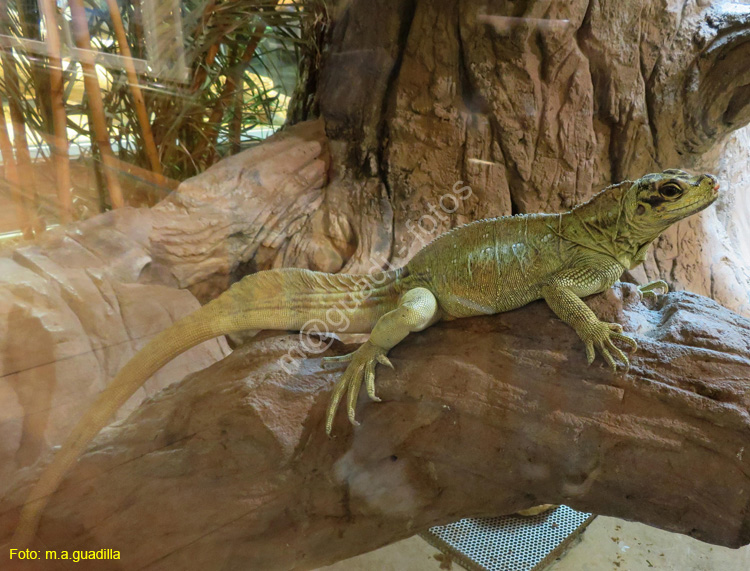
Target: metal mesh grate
[{"x": 509, "y": 543}]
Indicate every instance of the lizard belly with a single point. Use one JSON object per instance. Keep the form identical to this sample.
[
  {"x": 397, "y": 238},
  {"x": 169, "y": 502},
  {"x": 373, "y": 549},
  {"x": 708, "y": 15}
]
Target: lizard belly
[{"x": 485, "y": 298}]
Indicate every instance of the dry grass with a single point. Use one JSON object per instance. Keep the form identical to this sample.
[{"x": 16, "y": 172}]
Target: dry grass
[{"x": 218, "y": 108}]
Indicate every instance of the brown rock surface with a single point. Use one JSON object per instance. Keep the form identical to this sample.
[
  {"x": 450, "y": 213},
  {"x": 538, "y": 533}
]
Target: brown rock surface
[
  {"x": 231, "y": 469},
  {"x": 75, "y": 306},
  {"x": 70, "y": 318},
  {"x": 245, "y": 209}
]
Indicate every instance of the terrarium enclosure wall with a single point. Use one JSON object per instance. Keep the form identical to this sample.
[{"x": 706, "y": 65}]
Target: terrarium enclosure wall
[
  {"x": 156, "y": 152},
  {"x": 109, "y": 104}
]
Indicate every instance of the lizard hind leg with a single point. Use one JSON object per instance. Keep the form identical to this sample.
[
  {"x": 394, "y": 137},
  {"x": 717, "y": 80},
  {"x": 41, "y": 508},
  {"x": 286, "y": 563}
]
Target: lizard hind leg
[{"x": 416, "y": 310}]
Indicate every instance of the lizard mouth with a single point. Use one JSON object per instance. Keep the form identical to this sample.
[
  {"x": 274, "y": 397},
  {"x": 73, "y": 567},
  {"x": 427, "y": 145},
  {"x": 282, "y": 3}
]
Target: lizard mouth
[{"x": 696, "y": 205}]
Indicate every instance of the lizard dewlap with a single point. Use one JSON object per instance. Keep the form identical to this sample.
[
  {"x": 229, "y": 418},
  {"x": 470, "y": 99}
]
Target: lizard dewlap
[{"x": 485, "y": 267}]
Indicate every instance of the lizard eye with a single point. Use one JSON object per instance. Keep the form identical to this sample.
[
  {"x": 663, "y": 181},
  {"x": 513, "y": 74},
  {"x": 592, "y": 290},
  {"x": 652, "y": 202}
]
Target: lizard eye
[{"x": 670, "y": 190}]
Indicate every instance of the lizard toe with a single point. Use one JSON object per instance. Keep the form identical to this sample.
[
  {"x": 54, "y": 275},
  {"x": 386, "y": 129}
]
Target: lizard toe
[
  {"x": 370, "y": 381},
  {"x": 338, "y": 392},
  {"x": 355, "y": 383},
  {"x": 607, "y": 356},
  {"x": 329, "y": 361},
  {"x": 627, "y": 339},
  {"x": 618, "y": 352},
  {"x": 616, "y": 327},
  {"x": 383, "y": 360},
  {"x": 590, "y": 353}
]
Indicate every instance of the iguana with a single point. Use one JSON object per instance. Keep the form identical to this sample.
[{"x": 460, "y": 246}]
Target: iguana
[{"x": 481, "y": 268}]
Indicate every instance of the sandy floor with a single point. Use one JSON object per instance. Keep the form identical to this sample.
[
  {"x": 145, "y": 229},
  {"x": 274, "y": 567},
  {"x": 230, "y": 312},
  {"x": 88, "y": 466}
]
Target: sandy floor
[{"x": 607, "y": 544}]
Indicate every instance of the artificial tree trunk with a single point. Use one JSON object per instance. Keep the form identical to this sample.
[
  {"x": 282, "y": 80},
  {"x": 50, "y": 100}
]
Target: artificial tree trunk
[{"x": 536, "y": 105}]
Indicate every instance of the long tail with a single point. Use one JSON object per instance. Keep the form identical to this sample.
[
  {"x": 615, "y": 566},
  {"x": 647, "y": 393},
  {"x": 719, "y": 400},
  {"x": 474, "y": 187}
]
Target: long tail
[{"x": 287, "y": 299}]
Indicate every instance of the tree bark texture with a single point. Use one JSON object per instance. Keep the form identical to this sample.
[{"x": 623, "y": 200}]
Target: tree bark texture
[
  {"x": 72, "y": 313},
  {"x": 231, "y": 468}
]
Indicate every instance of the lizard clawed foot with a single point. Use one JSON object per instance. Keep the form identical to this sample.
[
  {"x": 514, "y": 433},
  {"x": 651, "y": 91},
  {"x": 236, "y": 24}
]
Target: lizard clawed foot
[
  {"x": 653, "y": 290},
  {"x": 601, "y": 335},
  {"x": 361, "y": 369}
]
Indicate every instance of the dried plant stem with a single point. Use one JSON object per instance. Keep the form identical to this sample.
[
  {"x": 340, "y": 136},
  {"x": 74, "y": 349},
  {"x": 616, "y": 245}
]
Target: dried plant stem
[
  {"x": 11, "y": 176},
  {"x": 200, "y": 72},
  {"x": 59, "y": 117},
  {"x": 91, "y": 84},
  {"x": 135, "y": 90},
  {"x": 164, "y": 183},
  {"x": 227, "y": 92},
  {"x": 24, "y": 172},
  {"x": 235, "y": 127}
]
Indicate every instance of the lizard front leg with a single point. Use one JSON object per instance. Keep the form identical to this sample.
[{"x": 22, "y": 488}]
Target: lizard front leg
[
  {"x": 417, "y": 309},
  {"x": 562, "y": 299}
]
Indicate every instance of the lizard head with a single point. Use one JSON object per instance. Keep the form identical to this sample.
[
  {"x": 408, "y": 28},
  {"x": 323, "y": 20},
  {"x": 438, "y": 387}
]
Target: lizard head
[
  {"x": 656, "y": 201},
  {"x": 622, "y": 220}
]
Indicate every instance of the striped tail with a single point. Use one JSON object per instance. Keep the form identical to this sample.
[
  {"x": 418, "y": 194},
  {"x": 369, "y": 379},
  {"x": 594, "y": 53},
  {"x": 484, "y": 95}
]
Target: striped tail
[{"x": 286, "y": 299}]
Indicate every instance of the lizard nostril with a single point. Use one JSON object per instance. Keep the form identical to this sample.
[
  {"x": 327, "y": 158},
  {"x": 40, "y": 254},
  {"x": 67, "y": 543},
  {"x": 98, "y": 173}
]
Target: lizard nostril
[{"x": 713, "y": 180}]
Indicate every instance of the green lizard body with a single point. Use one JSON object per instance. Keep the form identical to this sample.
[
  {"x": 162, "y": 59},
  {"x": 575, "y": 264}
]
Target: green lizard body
[{"x": 485, "y": 267}]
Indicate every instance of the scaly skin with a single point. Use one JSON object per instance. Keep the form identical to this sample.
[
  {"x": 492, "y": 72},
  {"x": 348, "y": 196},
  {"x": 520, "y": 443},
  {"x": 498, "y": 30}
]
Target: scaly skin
[
  {"x": 496, "y": 265},
  {"x": 485, "y": 267}
]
